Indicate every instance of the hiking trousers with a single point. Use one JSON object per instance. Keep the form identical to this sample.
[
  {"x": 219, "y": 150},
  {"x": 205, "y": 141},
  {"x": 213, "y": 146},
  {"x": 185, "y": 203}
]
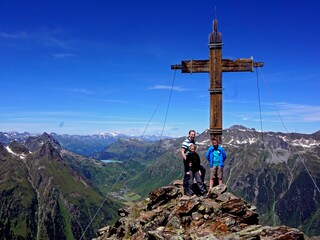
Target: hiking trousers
[{"x": 188, "y": 183}]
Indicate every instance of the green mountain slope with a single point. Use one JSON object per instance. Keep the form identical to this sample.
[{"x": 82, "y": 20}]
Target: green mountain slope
[
  {"x": 42, "y": 197},
  {"x": 18, "y": 203}
]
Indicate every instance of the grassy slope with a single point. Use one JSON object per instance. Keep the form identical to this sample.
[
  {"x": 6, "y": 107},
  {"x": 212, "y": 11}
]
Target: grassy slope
[{"x": 18, "y": 199}]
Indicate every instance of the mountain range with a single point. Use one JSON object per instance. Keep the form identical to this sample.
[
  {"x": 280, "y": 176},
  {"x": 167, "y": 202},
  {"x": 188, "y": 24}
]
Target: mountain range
[
  {"x": 42, "y": 197},
  {"x": 277, "y": 172},
  {"x": 85, "y": 145}
]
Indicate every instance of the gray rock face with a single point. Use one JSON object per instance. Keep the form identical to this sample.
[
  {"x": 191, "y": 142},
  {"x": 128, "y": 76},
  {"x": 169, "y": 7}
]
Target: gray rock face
[{"x": 167, "y": 214}]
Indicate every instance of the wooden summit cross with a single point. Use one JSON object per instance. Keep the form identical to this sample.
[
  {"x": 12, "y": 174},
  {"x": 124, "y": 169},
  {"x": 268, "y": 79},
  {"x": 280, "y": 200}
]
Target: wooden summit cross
[{"x": 215, "y": 66}]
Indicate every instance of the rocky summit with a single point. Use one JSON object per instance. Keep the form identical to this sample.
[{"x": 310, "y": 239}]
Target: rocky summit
[{"x": 168, "y": 214}]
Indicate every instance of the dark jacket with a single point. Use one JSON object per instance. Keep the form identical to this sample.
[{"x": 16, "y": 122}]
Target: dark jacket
[{"x": 194, "y": 159}]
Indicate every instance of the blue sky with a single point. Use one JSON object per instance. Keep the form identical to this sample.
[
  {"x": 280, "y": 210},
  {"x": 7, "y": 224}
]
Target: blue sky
[{"x": 84, "y": 67}]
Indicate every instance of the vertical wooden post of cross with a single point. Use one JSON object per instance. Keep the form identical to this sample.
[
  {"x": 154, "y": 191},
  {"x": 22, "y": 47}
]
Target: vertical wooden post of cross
[{"x": 215, "y": 89}]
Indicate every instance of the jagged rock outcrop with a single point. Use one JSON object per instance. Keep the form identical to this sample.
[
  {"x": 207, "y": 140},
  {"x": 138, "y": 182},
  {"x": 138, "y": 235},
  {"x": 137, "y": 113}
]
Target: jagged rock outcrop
[
  {"x": 168, "y": 214},
  {"x": 18, "y": 148},
  {"x": 34, "y": 143}
]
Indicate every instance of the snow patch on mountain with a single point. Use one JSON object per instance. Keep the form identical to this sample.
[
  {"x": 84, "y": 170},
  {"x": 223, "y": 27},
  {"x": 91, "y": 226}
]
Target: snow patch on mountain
[{"x": 22, "y": 156}]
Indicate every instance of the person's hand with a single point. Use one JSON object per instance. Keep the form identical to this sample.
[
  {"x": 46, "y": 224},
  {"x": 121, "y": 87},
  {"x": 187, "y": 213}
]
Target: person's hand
[
  {"x": 200, "y": 172},
  {"x": 188, "y": 173}
]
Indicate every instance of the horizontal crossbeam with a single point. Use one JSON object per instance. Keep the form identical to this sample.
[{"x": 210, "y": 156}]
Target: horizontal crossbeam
[{"x": 228, "y": 65}]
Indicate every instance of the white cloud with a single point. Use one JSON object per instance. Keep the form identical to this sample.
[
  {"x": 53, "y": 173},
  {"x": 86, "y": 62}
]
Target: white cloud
[
  {"x": 62, "y": 55},
  {"x": 299, "y": 112},
  {"x": 165, "y": 87},
  {"x": 77, "y": 90},
  {"x": 53, "y": 38},
  {"x": 81, "y": 90},
  {"x": 17, "y": 35},
  {"x": 289, "y": 112}
]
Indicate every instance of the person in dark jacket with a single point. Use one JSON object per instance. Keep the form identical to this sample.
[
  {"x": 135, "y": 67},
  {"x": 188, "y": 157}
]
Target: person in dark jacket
[
  {"x": 185, "y": 150},
  {"x": 193, "y": 171}
]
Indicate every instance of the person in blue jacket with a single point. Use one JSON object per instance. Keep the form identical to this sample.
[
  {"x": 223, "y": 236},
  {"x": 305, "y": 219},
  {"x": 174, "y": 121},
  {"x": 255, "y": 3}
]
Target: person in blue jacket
[{"x": 216, "y": 157}]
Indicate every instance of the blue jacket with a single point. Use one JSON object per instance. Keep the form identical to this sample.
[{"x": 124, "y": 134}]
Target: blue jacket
[{"x": 222, "y": 157}]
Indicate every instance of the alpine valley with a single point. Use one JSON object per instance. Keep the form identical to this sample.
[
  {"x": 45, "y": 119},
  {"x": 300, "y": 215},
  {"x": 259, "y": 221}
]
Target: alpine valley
[{"x": 51, "y": 186}]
